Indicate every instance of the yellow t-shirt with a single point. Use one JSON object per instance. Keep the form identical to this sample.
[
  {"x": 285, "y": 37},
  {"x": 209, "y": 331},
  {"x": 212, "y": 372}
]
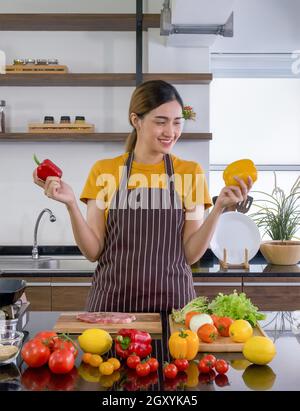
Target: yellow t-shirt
[{"x": 105, "y": 175}]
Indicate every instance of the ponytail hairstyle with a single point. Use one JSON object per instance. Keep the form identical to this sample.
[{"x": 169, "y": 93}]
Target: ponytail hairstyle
[{"x": 146, "y": 97}]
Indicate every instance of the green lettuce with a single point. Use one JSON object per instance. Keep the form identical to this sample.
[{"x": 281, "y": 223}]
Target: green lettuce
[
  {"x": 197, "y": 304},
  {"x": 236, "y": 306}
]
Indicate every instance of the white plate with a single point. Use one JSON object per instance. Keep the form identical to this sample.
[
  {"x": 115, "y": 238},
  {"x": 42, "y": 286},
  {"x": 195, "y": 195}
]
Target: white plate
[{"x": 235, "y": 232}]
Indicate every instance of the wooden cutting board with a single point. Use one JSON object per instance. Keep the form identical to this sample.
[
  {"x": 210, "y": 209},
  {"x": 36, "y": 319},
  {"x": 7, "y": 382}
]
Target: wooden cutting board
[
  {"x": 222, "y": 344},
  {"x": 68, "y": 323}
]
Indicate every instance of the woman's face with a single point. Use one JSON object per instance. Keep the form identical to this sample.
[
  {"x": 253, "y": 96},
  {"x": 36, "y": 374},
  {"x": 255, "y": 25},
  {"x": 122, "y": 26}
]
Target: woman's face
[{"x": 159, "y": 129}]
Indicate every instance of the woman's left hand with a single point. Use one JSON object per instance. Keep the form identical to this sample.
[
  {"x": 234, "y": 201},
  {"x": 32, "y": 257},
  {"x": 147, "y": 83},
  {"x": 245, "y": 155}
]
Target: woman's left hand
[{"x": 232, "y": 195}]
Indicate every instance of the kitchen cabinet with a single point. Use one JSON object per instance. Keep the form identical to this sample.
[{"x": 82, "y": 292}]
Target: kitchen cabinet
[
  {"x": 38, "y": 292},
  {"x": 273, "y": 293},
  {"x": 211, "y": 286},
  {"x": 69, "y": 294}
]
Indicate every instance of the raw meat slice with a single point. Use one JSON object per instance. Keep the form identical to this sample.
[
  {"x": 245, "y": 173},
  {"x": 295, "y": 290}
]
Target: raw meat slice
[{"x": 106, "y": 318}]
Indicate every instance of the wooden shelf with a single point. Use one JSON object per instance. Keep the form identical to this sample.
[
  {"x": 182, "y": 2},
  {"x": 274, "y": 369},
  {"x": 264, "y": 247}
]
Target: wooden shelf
[
  {"x": 97, "y": 79},
  {"x": 91, "y": 137},
  {"x": 76, "y": 22}
]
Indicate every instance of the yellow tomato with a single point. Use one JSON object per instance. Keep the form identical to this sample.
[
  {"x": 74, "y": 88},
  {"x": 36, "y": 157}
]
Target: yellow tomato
[
  {"x": 259, "y": 377},
  {"x": 95, "y": 360},
  {"x": 240, "y": 331},
  {"x": 86, "y": 357},
  {"x": 95, "y": 341},
  {"x": 115, "y": 362},
  {"x": 259, "y": 350},
  {"x": 106, "y": 368}
]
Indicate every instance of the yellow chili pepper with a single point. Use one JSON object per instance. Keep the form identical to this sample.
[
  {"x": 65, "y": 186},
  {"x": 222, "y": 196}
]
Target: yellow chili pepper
[
  {"x": 242, "y": 169},
  {"x": 184, "y": 344}
]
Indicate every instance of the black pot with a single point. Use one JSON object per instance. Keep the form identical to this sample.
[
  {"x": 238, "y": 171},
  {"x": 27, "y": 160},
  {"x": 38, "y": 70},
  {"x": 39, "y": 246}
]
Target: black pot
[{"x": 11, "y": 291}]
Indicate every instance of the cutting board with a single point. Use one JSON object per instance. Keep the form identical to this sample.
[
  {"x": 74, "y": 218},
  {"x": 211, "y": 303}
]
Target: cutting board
[
  {"x": 222, "y": 344},
  {"x": 68, "y": 323}
]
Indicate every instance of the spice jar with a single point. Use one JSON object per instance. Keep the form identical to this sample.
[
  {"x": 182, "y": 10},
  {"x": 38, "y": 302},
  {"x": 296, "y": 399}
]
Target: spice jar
[
  {"x": 41, "y": 61},
  {"x": 18, "y": 61},
  {"x": 79, "y": 119},
  {"x": 2, "y": 116},
  {"x": 65, "y": 120},
  {"x": 52, "y": 61},
  {"x": 48, "y": 120},
  {"x": 30, "y": 61}
]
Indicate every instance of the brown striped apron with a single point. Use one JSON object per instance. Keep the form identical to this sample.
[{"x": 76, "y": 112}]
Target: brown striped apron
[{"x": 143, "y": 266}]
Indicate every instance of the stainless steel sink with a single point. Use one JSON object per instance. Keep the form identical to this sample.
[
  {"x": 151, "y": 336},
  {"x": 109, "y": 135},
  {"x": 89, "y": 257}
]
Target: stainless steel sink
[{"x": 61, "y": 263}]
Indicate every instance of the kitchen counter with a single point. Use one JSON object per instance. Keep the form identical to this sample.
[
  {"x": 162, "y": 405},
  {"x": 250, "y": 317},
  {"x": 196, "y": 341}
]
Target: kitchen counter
[{"x": 281, "y": 374}]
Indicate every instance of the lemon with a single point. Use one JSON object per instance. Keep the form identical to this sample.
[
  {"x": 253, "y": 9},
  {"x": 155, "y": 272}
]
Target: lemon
[
  {"x": 240, "y": 331},
  {"x": 259, "y": 377},
  {"x": 95, "y": 341},
  {"x": 259, "y": 350}
]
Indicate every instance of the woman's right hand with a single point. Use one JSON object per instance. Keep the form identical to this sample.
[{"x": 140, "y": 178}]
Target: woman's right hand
[{"x": 56, "y": 189}]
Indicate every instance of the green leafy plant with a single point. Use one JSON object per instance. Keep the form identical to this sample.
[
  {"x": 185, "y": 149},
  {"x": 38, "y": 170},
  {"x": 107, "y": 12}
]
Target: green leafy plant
[
  {"x": 188, "y": 113},
  {"x": 279, "y": 214}
]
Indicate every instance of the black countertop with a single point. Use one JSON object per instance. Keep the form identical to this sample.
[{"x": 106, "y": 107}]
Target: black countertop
[{"x": 281, "y": 374}]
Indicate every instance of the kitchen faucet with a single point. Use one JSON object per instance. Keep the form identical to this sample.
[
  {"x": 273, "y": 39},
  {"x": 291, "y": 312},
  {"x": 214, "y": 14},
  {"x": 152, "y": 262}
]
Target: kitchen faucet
[{"x": 35, "y": 253}]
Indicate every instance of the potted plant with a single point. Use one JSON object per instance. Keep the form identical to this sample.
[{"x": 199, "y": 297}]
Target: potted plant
[{"x": 279, "y": 215}]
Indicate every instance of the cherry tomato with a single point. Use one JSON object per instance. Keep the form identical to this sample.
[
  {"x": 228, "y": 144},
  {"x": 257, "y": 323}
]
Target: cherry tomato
[
  {"x": 222, "y": 324},
  {"x": 132, "y": 361},
  {"x": 36, "y": 379},
  {"x": 207, "y": 333},
  {"x": 60, "y": 344},
  {"x": 203, "y": 367},
  {"x": 143, "y": 369},
  {"x": 221, "y": 380},
  {"x": 170, "y": 371},
  {"x": 153, "y": 364},
  {"x": 35, "y": 353},
  {"x": 221, "y": 366},
  {"x": 181, "y": 364},
  {"x": 189, "y": 316},
  {"x": 61, "y": 361},
  {"x": 210, "y": 360}
]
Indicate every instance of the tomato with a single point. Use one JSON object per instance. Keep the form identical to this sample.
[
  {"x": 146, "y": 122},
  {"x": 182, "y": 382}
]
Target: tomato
[
  {"x": 35, "y": 353},
  {"x": 36, "y": 379},
  {"x": 60, "y": 344},
  {"x": 221, "y": 380},
  {"x": 170, "y": 371},
  {"x": 222, "y": 324},
  {"x": 207, "y": 333},
  {"x": 215, "y": 319},
  {"x": 64, "y": 382},
  {"x": 188, "y": 317},
  {"x": 203, "y": 367},
  {"x": 221, "y": 366},
  {"x": 61, "y": 361},
  {"x": 132, "y": 361},
  {"x": 46, "y": 337},
  {"x": 210, "y": 360},
  {"x": 143, "y": 369},
  {"x": 181, "y": 364},
  {"x": 115, "y": 362},
  {"x": 106, "y": 368},
  {"x": 153, "y": 364}
]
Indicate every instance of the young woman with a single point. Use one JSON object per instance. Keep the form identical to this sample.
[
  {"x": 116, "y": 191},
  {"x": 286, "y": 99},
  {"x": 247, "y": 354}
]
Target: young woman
[{"x": 145, "y": 211}]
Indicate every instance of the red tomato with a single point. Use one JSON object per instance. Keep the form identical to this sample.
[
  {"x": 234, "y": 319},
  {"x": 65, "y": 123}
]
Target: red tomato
[
  {"x": 221, "y": 366},
  {"x": 132, "y": 361},
  {"x": 153, "y": 364},
  {"x": 142, "y": 369},
  {"x": 203, "y": 367},
  {"x": 170, "y": 371},
  {"x": 189, "y": 316},
  {"x": 35, "y": 353},
  {"x": 46, "y": 337},
  {"x": 61, "y": 361},
  {"x": 214, "y": 318},
  {"x": 60, "y": 344},
  {"x": 207, "y": 333},
  {"x": 210, "y": 360},
  {"x": 221, "y": 380},
  {"x": 222, "y": 324},
  {"x": 36, "y": 379},
  {"x": 181, "y": 364}
]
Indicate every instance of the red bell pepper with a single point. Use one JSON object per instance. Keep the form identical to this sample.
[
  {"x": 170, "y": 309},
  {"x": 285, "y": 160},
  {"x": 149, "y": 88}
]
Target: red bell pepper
[
  {"x": 131, "y": 341},
  {"x": 46, "y": 169}
]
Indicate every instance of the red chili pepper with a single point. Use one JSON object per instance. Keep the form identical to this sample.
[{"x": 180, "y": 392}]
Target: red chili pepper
[
  {"x": 46, "y": 169},
  {"x": 129, "y": 341}
]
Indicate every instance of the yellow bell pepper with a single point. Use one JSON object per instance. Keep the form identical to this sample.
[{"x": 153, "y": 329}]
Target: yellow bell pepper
[
  {"x": 242, "y": 169},
  {"x": 184, "y": 344}
]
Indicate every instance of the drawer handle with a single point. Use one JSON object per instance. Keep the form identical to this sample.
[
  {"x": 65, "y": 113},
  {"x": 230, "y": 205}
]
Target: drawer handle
[
  {"x": 272, "y": 284},
  {"x": 223, "y": 284},
  {"x": 71, "y": 284},
  {"x": 33, "y": 284}
]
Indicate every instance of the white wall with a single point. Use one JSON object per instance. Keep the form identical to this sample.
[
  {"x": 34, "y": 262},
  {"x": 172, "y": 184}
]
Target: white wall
[{"x": 21, "y": 200}]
